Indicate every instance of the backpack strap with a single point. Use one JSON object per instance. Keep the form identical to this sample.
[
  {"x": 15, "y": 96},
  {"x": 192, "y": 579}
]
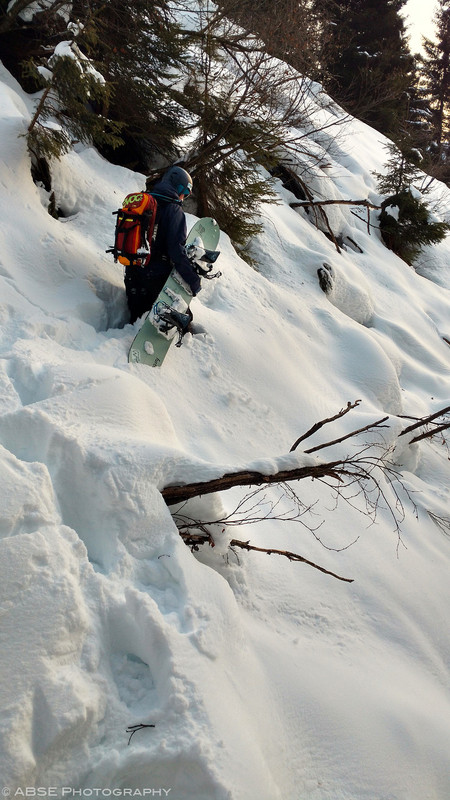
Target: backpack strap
[{"x": 175, "y": 200}]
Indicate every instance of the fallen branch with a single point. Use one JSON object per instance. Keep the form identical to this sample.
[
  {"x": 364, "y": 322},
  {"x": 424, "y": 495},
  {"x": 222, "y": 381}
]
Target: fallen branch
[
  {"x": 256, "y": 507},
  {"x": 323, "y": 422},
  {"x": 360, "y": 475},
  {"x": 425, "y": 421},
  {"x": 333, "y": 203},
  {"x": 376, "y": 424},
  {"x": 320, "y": 203},
  {"x": 287, "y": 554},
  {"x": 179, "y": 494},
  {"x": 195, "y": 541},
  {"x": 429, "y": 434}
]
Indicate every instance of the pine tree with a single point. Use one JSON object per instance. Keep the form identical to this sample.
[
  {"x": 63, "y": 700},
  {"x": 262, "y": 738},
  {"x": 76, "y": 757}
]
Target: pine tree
[
  {"x": 370, "y": 67},
  {"x": 72, "y": 88},
  {"x": 292, "y": 34},
  {"x": 231, "y": 132},
  {"x": 138, "y": 47},
  {"x": 435, "y": 83},
  {"x": 406, "y": 225},
  {"x": 417, "y": 133},
  {"x": 401, "y": 170},
  {"x": 127, "y": 54}
]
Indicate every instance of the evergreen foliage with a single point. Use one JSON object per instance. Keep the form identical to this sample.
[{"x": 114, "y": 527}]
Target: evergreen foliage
[
  {"x": 405, "y": 220},
  {"x": 293, "y": 34},
  {"x": 71, "y": 91},
  {"x": 241, "y": 105},
  {"x": 435, "y": 90},
  {"x": 408, "y": 226},
  {"x": 232, "y": 193},
  {"x": 370, "y": 68},
  {"x": 149, "y": 93},
  {"x": 133, "y": 46},
  {"x": 403, "y": 167},
  {"x": 416, "y": 133},
  {"x": 138, "y": 48}
]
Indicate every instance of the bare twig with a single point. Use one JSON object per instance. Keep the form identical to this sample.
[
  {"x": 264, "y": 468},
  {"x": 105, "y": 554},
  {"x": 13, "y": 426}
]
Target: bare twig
[
  {"x": 323, "y": 422},
  {"x": 376, "y": 424},
  {"x": 443, "y": 523},
  {"x": 429, "y": 434},
  {"x": 133, "y": 728},
  {"x": 287, "y": 554},
  {"x": 368, "y": 222},
  {"x": 301, "y": 203},
  {"x": 425, "y": 421}
]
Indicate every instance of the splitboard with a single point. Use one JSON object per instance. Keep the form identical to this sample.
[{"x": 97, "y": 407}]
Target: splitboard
[{"x": 150, "y": 345}]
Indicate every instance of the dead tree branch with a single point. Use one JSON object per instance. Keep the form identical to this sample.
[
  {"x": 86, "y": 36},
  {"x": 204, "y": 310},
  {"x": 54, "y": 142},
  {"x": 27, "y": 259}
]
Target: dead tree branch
[
  {"x": 287, "y": 554},
  {"x": 316, "y": 427},
  {"x": 256, "y": 507},
  {"x": 429, "y": 434},
  {"x": 179, "y": 494},
  {"x": 425, "y": 421},
  {"x": 367, "y": 480},
  {"x": 333, "y": 203},
  {"x": 376, "y": 424},
  {"x": 316, "y": 204},
  {"x": 443, "y": 523},
  {"x": 359, "y": 476},
  {"x": 321, "y": 203}
]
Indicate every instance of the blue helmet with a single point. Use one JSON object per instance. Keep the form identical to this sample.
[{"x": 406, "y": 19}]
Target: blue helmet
[{"x": 179, "y": 179}]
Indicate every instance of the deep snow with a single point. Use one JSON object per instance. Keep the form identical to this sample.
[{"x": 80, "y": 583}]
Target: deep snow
[{"x": 263, "y": 678}]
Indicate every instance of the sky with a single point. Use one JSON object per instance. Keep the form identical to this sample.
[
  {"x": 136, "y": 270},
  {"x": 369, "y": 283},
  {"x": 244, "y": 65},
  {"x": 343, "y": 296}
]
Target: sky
[{"x": 420, "y": 16}]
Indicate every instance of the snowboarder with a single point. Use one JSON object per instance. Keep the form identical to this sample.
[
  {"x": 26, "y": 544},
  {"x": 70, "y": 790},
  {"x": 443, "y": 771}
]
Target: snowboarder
[{"x": 143, "y": 284}]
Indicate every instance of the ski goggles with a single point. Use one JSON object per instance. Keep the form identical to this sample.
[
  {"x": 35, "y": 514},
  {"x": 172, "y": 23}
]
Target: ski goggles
[{"x": 185, "y": 190}]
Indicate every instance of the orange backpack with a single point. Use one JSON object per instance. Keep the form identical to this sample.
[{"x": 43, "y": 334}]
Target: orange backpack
[{"x": 135, "y": 229}]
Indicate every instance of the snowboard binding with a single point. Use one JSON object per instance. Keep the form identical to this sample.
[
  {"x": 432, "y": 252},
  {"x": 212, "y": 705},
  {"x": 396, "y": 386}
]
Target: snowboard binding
[
  {"x": 168, "y": 318},
  {"x": 201, "y": 259}
]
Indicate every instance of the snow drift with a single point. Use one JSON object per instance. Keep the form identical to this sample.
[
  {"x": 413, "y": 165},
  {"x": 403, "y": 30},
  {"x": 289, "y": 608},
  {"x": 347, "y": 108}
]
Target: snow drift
[{"x": 262, "y": 678}]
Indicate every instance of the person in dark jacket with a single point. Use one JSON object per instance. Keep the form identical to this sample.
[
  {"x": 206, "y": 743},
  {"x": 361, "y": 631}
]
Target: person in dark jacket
[{"x": 143, "y": 284}]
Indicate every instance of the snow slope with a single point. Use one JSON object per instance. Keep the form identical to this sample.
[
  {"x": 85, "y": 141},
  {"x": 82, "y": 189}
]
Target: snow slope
[{"x": 263, "y": 678}]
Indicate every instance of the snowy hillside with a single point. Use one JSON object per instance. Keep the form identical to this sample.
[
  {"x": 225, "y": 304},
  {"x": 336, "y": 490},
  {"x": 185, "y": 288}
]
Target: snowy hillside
[{"x": 263, "y": 678}]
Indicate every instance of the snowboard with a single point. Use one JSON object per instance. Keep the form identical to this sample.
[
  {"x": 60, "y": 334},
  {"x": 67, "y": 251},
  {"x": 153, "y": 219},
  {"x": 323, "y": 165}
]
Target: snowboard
[{"x": 150, "y": 345}]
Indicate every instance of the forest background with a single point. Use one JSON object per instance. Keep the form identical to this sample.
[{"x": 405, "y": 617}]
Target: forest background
[{"x": 142, "y": 81}]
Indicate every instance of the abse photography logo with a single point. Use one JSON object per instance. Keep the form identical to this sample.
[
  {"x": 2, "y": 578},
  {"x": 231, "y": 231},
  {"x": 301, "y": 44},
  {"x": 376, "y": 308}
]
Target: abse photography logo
[{"x": 68, "y": 791}]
